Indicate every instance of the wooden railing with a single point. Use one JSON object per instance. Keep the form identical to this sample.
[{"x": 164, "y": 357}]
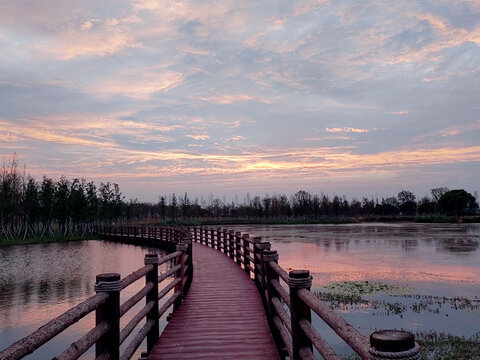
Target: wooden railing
[
  {"x": 288, "y": 304},
  {"x": 107, "y": 335}
]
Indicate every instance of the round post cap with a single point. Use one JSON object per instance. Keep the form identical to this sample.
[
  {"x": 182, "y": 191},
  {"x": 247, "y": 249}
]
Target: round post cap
[
  {"x": 108, "y": 277},
  {"x": 151, "y": 259},
  {"x": 392, "y": 340},
  {"x": 298, "y": 279}
]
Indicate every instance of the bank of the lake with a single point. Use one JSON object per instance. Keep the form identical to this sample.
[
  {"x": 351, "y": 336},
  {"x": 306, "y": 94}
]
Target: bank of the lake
[{"x": 47, "y": 239}]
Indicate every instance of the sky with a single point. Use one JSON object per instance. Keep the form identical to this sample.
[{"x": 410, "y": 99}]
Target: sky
[{"x": 362, "y": 98}]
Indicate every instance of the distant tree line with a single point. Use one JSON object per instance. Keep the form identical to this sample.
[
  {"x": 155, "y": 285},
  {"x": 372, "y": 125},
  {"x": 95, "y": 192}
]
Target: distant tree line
[
  {"x": 307, "y": 206},
  {"x": 31, "y": 208}
]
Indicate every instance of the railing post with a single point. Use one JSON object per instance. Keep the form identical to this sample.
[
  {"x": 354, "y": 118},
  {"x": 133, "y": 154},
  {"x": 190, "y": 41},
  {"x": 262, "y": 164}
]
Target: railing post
[
  {"x": 225, "y": 241},
  {"x": 256, "y": 263},
  {"x": 110, "y": 313},
  {"x": 231, "y": 242},
  {"x": 299, "y": 279},
  {"x": 205, "y": 236},
  {"x": 269, "y": 291},
  {"x": 219, "y": 239},
  {"x": 246, "y": 252},
  {"x": 238, "y": 246},
  {"x": 212, "y": 238},
  {"x": 152, "y": 277},
  {"x": 188, "y": 241},
  {"x": 181, "y": 273},
  {"x": 393, "y": 344}
]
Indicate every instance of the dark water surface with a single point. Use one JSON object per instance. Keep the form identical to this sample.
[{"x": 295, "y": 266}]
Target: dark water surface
[
  {"x": 40, "y": 281},
  {"x": 434, "y": 270}
]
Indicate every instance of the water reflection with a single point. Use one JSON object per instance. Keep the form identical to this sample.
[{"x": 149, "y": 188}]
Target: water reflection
[{"x": 39, "y": 282}]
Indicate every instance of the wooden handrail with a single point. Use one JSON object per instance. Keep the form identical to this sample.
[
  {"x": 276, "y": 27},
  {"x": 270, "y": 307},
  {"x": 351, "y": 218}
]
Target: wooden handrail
[{"x": 54, "y": 327}]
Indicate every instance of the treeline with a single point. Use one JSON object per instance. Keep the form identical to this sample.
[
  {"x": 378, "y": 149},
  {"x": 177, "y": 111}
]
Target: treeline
[
  {"x": 31, "y": 208},
  {"x": 305, "y": 206}
]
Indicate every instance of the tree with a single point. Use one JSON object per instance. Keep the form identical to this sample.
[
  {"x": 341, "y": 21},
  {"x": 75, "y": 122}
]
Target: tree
[
  {"x": 407, "y": 204},
  {"x": 61, "y": 208},
  {"x": 47, "y": 195},
  {"x": 458, "y": 202},
  {"x": 173, "y": 207},
  {"x": 163, "y": 208},
  {"x": 426, "y": 206},
  {"x": 438, "y": 192}
]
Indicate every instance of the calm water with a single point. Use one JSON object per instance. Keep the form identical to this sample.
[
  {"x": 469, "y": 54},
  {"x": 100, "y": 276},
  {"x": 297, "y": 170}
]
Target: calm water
[
  {"x": 39, "y": 282},
  {"x": 436, "y": 263},
  {"x": 437, "y": 267}
]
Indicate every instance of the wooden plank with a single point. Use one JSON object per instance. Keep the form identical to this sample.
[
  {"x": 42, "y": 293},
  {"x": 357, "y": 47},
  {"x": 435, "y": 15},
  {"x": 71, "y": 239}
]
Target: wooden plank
[{"x": 221, "y": 317}]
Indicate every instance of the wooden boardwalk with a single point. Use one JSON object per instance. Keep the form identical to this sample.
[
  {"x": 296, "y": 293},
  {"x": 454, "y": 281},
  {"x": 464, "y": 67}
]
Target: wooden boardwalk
[{"x": 221, "y": 317}]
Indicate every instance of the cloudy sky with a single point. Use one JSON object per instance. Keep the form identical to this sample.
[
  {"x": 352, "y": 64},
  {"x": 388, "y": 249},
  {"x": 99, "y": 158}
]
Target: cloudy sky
[{"x": 229, "y": 97}]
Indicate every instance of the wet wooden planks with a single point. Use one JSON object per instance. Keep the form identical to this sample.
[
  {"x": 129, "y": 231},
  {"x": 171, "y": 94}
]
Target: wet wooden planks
[{"x": 222, "y": 316}]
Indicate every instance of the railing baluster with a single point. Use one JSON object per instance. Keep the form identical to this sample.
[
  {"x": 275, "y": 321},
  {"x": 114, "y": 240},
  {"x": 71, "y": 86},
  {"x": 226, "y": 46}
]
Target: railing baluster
[
  {"x": 152, "y": 295},
  {"x": 299, "y": 279}
]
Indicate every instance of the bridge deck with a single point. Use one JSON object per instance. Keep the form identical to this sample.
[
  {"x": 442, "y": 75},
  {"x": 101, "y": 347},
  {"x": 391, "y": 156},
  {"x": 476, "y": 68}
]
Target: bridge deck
[{"x": 222, "y": 316}]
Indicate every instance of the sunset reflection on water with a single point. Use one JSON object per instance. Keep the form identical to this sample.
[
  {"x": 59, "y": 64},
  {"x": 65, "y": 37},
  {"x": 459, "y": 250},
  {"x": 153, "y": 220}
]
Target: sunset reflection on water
[{"x": 410, "y": 253}]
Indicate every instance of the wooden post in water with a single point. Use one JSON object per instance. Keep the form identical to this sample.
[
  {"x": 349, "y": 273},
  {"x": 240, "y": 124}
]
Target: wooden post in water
[
  {"x": 299, "y": 279},
  {"x": 110, "y": 313},
  {"x": 393, "y": 344},
  {"x": 152, "y": 295}
]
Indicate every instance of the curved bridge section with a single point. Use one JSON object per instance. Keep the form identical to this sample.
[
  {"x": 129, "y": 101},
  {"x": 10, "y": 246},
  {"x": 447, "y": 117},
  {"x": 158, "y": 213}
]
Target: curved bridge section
[{"x": 221, "y": 317}]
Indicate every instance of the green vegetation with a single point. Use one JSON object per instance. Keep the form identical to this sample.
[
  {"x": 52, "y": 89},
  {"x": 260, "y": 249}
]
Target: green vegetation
[
  {"x": 48, "y": 239},
  {"x": 366, "y": 288},
  {"x": 445, "y": 346}
]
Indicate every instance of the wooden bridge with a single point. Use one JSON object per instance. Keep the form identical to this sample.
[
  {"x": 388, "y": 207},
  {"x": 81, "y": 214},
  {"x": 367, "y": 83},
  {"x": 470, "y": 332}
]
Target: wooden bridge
[{"x": 230, "y": 298}]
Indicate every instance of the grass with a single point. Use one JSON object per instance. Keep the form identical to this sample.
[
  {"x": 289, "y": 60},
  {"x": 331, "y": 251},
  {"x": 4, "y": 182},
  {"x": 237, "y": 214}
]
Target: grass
[
  {"x": 46, "y": 239},
  {"x": 441, "y": 346}
]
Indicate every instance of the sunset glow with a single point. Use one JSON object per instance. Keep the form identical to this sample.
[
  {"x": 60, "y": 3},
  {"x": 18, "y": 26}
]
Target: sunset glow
[{"x": 233, "y": 97}]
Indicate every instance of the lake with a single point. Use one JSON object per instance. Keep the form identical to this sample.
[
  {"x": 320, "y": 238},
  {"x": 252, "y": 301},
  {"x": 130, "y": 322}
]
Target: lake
[{"x": 421, "y": 277}]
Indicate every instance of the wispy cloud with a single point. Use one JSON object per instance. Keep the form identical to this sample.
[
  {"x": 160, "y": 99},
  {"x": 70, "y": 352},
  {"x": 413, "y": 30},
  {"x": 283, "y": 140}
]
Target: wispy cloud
[{"x": 239, "y": 93}]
